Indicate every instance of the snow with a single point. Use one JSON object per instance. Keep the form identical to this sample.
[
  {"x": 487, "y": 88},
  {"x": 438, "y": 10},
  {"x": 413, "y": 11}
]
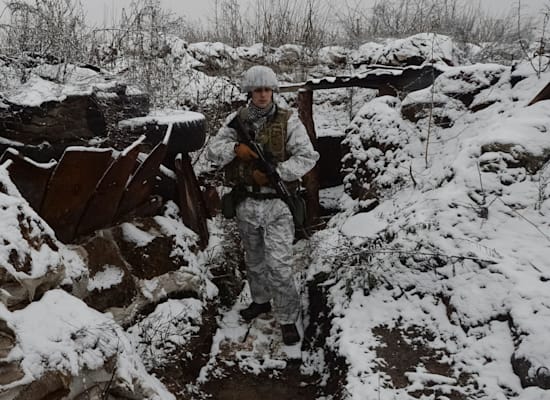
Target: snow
[
  {"x": 109, "y": 277},
  {"x": 363, "y": 225},
  {"x": 14, "y": 211},
  {"x": 333, "y": 55},
  {"x": 73, "y": 337},
  {"x": 457, "y": 247},
  {"x": 170, "y": 326},
  {"x": 39, "y": 88},
  {"x": 492, "y": 268},
  {"x": 133, "y": 234},
  {"x": 254, "y": 52},
  {"x": 206, "y": 50},
  {"x": 426, "y": 45},
  {"x": 47, "y": 165},
  {"x": 163, "y": 117},
  {"x": 257, "y": 346},
  {"x": 35, "y": 92},
  {"x": 184, "y": 240},
  {"x": 134, "y": 144}
]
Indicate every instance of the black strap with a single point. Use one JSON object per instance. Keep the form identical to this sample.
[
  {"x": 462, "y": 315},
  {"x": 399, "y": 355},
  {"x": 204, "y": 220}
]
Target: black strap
[{"x": 262, "y": 196}]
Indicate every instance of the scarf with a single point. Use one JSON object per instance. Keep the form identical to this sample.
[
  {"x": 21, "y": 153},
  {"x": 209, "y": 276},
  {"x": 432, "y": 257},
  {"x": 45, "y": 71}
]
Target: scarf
[{"x": 257, "y": 117}]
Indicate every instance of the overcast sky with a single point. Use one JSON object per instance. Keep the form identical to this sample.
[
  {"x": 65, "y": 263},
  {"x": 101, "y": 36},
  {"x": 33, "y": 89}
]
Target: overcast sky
[
  {"x": 100, "y": 11},
  {"x": 103, "y": 10}
]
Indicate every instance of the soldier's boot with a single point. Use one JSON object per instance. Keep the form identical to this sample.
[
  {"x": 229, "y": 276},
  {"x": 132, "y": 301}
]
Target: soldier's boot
[
  {"x": 255, "y": 309},
  {"x": 290, "y": 334}
]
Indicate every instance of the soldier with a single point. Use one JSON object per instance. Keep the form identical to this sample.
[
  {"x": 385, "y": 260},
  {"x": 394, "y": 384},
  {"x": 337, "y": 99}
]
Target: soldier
[{"x": 264, "y": 220}]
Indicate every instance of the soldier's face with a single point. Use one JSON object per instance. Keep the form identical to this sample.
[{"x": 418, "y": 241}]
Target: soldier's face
[{"x": 262, "y": 97}]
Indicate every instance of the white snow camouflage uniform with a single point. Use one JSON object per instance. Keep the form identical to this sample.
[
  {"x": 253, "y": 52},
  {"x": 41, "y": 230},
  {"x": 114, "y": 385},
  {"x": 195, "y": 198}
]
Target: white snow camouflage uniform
[{"x": 266, "y": 225}]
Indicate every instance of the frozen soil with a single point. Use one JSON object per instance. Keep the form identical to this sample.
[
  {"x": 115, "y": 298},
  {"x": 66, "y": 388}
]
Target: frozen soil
[
  {"x": 231, "y": 359},
  {"x": 288, "y": 383},
  {"x": 404, "y": 351},
  {"x": 235, "y": 360}
]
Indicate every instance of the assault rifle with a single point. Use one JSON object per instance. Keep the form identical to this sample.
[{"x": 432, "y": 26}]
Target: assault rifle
[{"x": 265, "y": 164}]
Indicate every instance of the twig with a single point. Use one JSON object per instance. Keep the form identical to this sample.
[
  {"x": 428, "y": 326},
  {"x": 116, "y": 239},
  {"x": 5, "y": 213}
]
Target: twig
[
  {"x": 525, "y": 219},
  {"x": 431, "y": 106},
  {"x": 412, "y": 176},
  {"x": 105, "y": 394},
  {"x": 480, "y": 180},
  {"x": 410, "y": 252}
]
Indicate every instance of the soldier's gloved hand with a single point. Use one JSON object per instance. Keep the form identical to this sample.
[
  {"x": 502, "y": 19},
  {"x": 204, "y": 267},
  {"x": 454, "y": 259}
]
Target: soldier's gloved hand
[
  {"x": 260, "y": 178},
  {"x": 244, "y": 152}
]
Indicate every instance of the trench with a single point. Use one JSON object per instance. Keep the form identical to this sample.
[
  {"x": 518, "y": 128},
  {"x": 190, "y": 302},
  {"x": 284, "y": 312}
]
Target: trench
[
  {"x": 290, "y": 379},
  {"x": 289, "y": 382}
]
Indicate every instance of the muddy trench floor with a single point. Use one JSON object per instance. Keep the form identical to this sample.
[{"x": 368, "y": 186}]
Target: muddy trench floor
[
  {"x": 228, "y": 377},
  {"x": 242, "y": 345},
  {"x": 288, "y": 383},
  {"x": 224, "y": 349}
]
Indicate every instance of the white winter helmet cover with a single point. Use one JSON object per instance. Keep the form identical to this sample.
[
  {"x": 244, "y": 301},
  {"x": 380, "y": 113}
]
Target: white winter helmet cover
[{"x": 259, "y": 76}]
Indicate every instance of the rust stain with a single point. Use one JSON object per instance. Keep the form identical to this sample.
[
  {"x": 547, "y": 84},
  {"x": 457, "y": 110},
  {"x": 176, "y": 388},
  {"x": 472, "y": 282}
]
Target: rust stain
[
  {"x": 71, "y": 185},
  {"x": 103, "y": 205},
  {"x": 191, "y": 202},
  {"x": 30, "y": 178},
  {"x": 142, "y": 182}
]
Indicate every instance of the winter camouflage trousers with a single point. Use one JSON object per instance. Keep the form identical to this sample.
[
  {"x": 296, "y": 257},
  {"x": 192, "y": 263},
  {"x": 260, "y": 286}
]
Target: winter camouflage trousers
[{"x": 267, "y": 233}]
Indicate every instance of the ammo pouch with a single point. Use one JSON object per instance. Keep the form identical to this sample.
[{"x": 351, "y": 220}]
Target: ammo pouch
[
  {"x": 300, "y": 211},
  {"x": 231, "y": 200}
]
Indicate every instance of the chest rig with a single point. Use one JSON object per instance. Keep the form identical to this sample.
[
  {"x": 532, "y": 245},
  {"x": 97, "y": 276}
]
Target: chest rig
[{"x": 272, "y": 137}]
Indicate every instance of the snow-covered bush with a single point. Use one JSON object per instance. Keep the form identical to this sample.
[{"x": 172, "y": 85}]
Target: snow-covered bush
[
  {"x": 54, "y": 30},
  {"x": 378, "y": 143}
]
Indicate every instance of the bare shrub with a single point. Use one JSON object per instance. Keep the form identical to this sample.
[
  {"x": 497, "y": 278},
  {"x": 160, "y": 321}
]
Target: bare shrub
[
  {"x": 52, "y": 30},
  {"x": 537, "y": 54},
  {"x": 229, "y": 23},
  {"x": 138, "y": 48},
  {"x": 462, "y": 20},
  {"x": 353, "y": 21},
  {"x": 271, "y": 22}
]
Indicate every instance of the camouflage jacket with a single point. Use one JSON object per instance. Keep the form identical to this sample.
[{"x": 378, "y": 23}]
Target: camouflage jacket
[{"x": 283, "y": 135}]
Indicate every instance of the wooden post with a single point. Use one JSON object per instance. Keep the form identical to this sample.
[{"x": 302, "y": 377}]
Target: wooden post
[{"x": 311, "y": 179}]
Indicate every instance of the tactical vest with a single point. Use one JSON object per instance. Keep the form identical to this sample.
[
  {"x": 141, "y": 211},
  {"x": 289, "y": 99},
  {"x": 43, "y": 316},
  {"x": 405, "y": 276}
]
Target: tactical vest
[{"x": 272, "y": 137}]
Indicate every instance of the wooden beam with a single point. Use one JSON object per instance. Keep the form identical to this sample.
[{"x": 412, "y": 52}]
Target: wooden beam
[{"x": 311, "y": 179}]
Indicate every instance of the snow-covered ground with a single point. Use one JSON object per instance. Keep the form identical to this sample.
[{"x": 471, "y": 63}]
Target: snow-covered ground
[
  {"x": 457, "y": 250},
  {"x": 453, "y": 261}
]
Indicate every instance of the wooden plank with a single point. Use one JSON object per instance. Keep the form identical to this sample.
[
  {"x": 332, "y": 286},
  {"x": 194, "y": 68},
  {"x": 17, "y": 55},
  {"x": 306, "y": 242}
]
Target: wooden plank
[
  {"x": 30, "y": 178},
  {"x": 71, "y": 186},
  {"x": 103, "y": 205},
  {"x": 141, "y": 184},
  {"x": 311, "y": 179},
  {"x": 191, "y": 202}
]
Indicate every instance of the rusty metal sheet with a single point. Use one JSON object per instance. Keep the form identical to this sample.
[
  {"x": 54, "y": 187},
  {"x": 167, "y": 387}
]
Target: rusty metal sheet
[
  {"x": 30, "y": 178},
  {"x": 142, "y": 182},
  {"x": 103, "y": 205},
  {"x": 191, "y": 202},
  {"x": 388, "y": 80},
  {"x": 71, "y": 186},
  {"x": 544, "y": 94}
]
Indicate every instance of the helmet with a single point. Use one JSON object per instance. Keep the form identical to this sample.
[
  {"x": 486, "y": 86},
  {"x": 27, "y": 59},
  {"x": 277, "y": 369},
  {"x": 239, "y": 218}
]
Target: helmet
[{"x": 259, "y": 76}]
